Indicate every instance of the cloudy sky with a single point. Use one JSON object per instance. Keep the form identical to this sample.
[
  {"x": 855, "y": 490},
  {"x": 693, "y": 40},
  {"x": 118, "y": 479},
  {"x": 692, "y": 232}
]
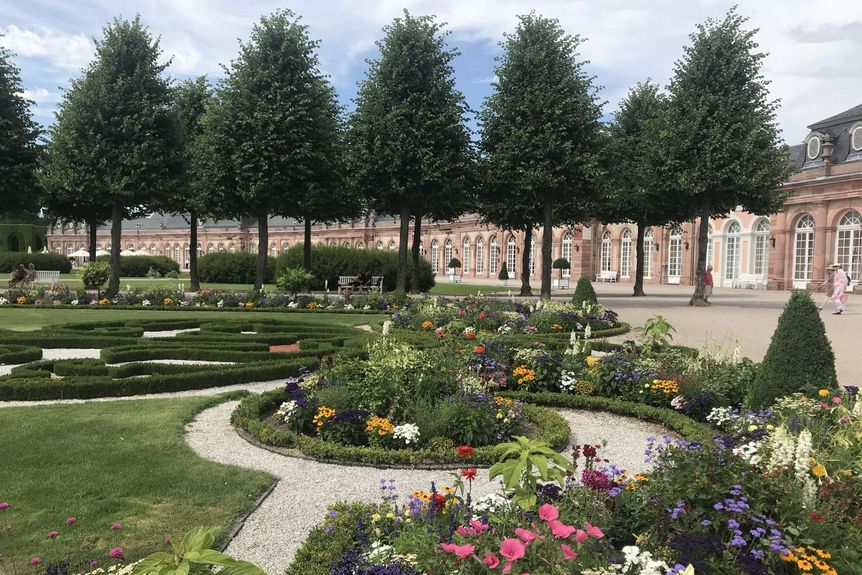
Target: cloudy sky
[{"x": 814, "y": 46}]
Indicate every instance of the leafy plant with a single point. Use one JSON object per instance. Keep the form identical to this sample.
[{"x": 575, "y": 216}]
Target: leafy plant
[
  {"x": 194, "y": 555},
  {"x": 584, "y": 292},
  {"x": 454, "y": 263},
  {"x": 561, "y": 264},
  {"x": 293, "y": 280},
  {"x": 655, "y": 334},
  {"x": 523, "y": 463},
  {"x": 95, "y": 274},
  {"x": 153, "y": 273}
]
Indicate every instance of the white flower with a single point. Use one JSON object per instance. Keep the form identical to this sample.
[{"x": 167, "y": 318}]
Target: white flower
[
  {"x": 220, "y": 303},
  {"x": 801, "y": 467},
  {"x": 491, "y": 503},
  {"x": 380, "y": 553},
  {"x": 74, "y": 302},
  {"x": 783, "y": 448},
  {"x": 348, "y": 306},
  {"x": 366, "y": 306},
  {"x": 469, "y": 330},
  {"x": 409, "y": 432},
  {"x": 678, "y": 402},
  {"x": 286, "y": 410},
  {"x": 3, "y": 301},
  {"x": 145, "y": 303},
  {"x": 387, "y": 325},
  {"x": 568, "y": 379}
]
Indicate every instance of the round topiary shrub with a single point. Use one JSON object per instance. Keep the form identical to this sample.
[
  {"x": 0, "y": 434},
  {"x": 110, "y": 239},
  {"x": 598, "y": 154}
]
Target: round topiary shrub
[
  {"x": 584, "y": 292},
  {"x": 799, "y": 359}
]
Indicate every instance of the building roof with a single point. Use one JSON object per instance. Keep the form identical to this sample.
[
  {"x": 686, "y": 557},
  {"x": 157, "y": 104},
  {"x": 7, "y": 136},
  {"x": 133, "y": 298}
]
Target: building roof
[
  {"x": 846, "y": 117},
  {"x": 838, "y": 128}
]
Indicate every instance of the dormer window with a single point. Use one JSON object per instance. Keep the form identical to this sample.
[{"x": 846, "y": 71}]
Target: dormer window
[
  {"x": 856, "y": 138},
  {"x": 813, "y": 148}
]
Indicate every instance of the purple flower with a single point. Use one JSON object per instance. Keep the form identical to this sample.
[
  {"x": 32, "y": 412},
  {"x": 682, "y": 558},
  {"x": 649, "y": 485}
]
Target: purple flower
[
  {"x": 70, "y": 521},
  {"x": 733, "y": 524},
  {"x": 35, "y": 561},
  {"x": 117, "y": 553},
  {"x": 116, "y": 526},
  {"x": 706, "y": 522},
  {"x": 52, "y": 534},
  {"x": 94, "y": 564},
  {"x": 4, "y": 505}
]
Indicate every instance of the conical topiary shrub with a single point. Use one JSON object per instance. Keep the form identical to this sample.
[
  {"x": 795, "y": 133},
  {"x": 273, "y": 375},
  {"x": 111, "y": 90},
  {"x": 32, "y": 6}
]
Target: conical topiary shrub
[
  {"x": 584, "y": 292},
  {"x": 799, "y": 359}
]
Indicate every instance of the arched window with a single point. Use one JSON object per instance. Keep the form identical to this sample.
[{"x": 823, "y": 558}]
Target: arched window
[
  {"x": 761, "y": 247},
  {"x": 511, "y": 256},
  {"x": 625, "y": 254},
  {"x": 185, "y": 263},
  {"x": 533, "y": 256},
  {"x": 231, "y": 248},
  {"x": 812, "y": 148},
  {"x": 153, "y": 249},
  {"x": 731, "y": 251},
  {"x": 803, "y": 249},
  {"x": 221, "y": 248},
  {"x": 210, "y": 248},
  {"x": 273, "y": 249},
  {"x": 392, "y": 246},
  {"x": 142, "y": 248},
  {"x": 346, "y": 245},
  {"x": 849, "y": 247},
  {"x": 177, "y": 252},
  {"x": 566, "y": 253},
  {"x": 421, "y": 248},
  {"x": 284, "y": 246},
  {"x": 465, "y": 256},
  {"x": 649, "y": 242},
  {"x": 674, "y": 255},
  {"x": 380, "y": 245},
  {"x": 333, "y": 243},
  {"x": 130, "y": 246},
  {"x": 447, "y": 255},
  {"x": 480, "y": 255},
  {"x": 856, "y": 139},
  {"x": 360, "y": 245},
  {"x": 607, "y": 251},
  {"x": 493, "y": 256},
  {"x": 435, "y": 256}
]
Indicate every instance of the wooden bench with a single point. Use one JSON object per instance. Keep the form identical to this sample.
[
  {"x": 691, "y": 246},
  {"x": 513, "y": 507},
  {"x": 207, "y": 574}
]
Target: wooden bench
[
  {"x": 752, "y": 281},
  {"x": 607, "y": 276},
  {"x": 39, "y": 277},
  {"x": 345, "y": 283}
]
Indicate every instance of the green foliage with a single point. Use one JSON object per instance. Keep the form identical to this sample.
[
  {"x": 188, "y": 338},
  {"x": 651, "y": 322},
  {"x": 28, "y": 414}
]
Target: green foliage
[
  {"x": 410, "y": 150},
  {"x": 140, "y": 266},
  {"x": 194, "y": 555},
  {"x": 799, "y": 358},
  {"x": 95, "y": 274},
  {"x": 9, "y": 261},
  {"x": 561, "y": 264},
  {"x": 723, "y": 383},
  {"x": 238, "y": 268},
  {"x": 584, "y": 292},
  {"x": 454, "y": 263},
  {"x": 523, "y": 463},
  {"x": 330, "y": 262},
  {"x": 17, "y": 237},
  {"x": 293, "y": 280},
  {"x": 12, "y": 354},
  {"x": 327, "y": 542},
  {"x": 655, "y": 334},
  {"x": 18, "y": 148},
  {"x": 504, "y": 273}
]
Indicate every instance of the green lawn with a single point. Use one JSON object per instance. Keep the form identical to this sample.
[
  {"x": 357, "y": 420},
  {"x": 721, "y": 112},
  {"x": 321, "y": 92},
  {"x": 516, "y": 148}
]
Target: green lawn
[
  {"x": 121, "y": 461},
  {"x": 468, "y": 289},
  {"x": 29, "y": 318},
  {"x": 74, "y": 280}
]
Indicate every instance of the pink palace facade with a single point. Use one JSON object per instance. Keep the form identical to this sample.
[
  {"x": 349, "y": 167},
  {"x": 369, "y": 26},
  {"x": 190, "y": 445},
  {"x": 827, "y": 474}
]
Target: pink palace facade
[{"x": 820, "y": 223}]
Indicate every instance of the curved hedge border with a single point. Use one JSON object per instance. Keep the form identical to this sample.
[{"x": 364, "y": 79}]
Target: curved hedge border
[
  {"x": 12, "y": 353},
  {"x": 237, "y": 309},
  {"x": 673, "y": 420},
  {"x": 248, "y": 418}
]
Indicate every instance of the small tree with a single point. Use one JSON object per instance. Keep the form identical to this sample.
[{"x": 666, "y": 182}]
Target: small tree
[
  {"x": 504, "y": 273},
  {"x": 94, "y": 275},
  {"x": 293, "y": 280},
  {"x": 454, "y": 263},
  {"x": 561, "y": 264},
  {"x": 799, "y": 359},
  {"x": 584, "y": 292}
]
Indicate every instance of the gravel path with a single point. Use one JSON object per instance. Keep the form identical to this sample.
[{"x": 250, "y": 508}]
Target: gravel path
[
  {"x": 273, "y": 533},
  {"x": 174, "y": 362},
  {"x": 169, "y": 332}
]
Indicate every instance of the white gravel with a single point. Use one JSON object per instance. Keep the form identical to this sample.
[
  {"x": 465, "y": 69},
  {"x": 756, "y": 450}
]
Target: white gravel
[
  {"x": 169, "y": 332},
  {"x": 174, "y": 362},
  {"x": 71, "y": 353},
  {"x": 273, "y": 533}
]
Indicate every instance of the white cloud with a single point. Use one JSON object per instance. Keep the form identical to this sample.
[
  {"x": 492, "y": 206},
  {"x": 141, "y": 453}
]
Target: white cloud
[
  {"x": 41, "y": 96},
  {"x": 71, "y": 51}
]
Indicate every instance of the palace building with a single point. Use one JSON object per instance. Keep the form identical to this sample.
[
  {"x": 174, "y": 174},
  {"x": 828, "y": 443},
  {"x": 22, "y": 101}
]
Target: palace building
[{"x": 820, "y": 223}]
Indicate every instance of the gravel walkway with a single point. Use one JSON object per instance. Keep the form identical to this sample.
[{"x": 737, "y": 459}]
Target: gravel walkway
[
  {"x": 274, "y": 532},
  {"x": 169, "y": 332},
  {"x": 174, "y": 362}
]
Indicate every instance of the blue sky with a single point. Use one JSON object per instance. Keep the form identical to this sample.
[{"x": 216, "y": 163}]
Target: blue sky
[{"x": 813, "y": 45}]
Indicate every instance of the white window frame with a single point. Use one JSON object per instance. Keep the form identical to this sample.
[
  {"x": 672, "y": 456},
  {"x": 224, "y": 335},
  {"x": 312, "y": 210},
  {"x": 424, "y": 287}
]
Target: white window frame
[
  {"x": 465, "y": 256},
  {"x": 435, "y": 256},
  {"x": 649, "y": 246},
  {"x": 480, "y": 255},
  {"x": 511, "y": 256},
  {"x": 674, "y": 256},
  {"x": 626, "y": 254},
  {"x": 760, "y": 263},
  {"x": 566, "y": 253},
  {"x": 493, "y": 256},
  {"x": 607, "y": 252},
  {"x": 803, "y": 251},
  {"x": 732, "y": 244},
  {"x": 848, "y": 247}
]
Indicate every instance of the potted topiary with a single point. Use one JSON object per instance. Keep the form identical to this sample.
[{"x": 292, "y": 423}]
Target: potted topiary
[
  {"x": 454, "y": 266},
  {"x": 503, "y": 276},
  {"x": 561, "y": 264},
  {"x": 94, "y": 275}
]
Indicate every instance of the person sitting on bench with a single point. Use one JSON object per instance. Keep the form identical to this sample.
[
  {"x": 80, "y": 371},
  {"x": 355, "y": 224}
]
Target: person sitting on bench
[
  {"x": 361, "y": 282},
  {"x": 18, "y": 276}
]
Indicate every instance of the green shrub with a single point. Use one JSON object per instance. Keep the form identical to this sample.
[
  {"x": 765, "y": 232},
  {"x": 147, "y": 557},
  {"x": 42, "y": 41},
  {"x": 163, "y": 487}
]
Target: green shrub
[
  {"x": 799, "y": 359},
  {"x": 330, "y": 262},
  {"x": 230, "y": 268},
  {"x": 504, "y": 273},
  {"x": 9, "y": 261},
  {"x": 95, "y": 274},
  {"x": 139, "y": 266},
  {"x": 293, "y": 280},
  {"x": 454, "y": 263},
  {"x": 329, "y": 541},
  {"x": 584, "y": 292}
]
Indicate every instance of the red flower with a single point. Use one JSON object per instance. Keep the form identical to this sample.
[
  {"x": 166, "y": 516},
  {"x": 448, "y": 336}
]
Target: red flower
[
  {"x": 465, "y": 452},
  {"x": 438, "y": 502},
  {"x": 479, "y": 349},
  {"x": 469, "y": 473},
  {"x": 482, "y": 315},
  {"x": 471, "y": 335},
  {"x": 816, "y": 517}
]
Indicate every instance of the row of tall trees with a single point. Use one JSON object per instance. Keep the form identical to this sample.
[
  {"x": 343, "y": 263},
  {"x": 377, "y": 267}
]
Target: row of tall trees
[{"x": 271, "y": 139}]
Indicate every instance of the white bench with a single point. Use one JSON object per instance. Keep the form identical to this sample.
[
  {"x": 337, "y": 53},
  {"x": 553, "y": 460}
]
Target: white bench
[
  {"x": 46, "y": 277},
  {"x": 346, "y": 283},
  {"x": 753, "y": 281},
  {"x": 607, "y": 276}
]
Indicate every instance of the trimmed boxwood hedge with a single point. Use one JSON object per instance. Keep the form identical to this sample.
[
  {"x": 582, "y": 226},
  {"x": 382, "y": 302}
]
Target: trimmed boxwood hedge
[
  {"x": 138, "y": 266},
  {"x": 236, "y": 268},
  {"x": 12, "y": 353},
  {"x": 9, "y": 261},
  {"x": 248, "y": 416}
]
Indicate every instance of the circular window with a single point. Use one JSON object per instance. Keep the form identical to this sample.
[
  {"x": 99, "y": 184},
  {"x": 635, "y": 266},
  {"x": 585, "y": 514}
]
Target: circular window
[
  {"x": 856, "y": 139},
  {"x": 813, "y": 147}
]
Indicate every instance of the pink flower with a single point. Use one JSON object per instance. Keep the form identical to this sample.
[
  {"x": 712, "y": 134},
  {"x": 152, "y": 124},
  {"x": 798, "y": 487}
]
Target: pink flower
[
  {"x": 70, "y": 521},
  {"x": 490, "y": 560},
  {"x": 94, "y": 564},
  {"x": 35, "y": 561},
  {"x": 117, "y": 553},
  {"x": 166, "y": 541},
  {"x": 512, "y": 549},
  {"x": 548, "y": 512},
  {"x": 567, "y": 552},
  {"x": 4, "y": 505},
  {"x": 593, "y": 531},
  {"x": 836, "y": 400},
  {"x": 560, "y": 529},
  {"x": 448, "y": 547},
  {"x": 52, "y": 534},
  {"x": 525, "y": 535},
  {"x": 465, "y": 531},
  {"x": 116, "y": 526},
  {"x": 464, "y": 551},
  {"x": 580, "y": 536},
  {"x": 478, "y": 526}
]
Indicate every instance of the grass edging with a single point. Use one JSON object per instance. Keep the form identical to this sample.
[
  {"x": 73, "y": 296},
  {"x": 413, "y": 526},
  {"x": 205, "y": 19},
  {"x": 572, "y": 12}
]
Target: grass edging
[{"x": 247, "y": 418}]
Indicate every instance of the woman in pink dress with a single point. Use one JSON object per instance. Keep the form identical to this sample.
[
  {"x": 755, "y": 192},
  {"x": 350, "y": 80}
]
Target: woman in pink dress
[{"x": 839, "y": 286}]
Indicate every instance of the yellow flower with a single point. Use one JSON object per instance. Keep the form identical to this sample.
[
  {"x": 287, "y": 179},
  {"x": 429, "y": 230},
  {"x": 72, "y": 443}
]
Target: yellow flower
[
  {"x": 523, "y": 374},
  {"x": 379, "y": 425},
  {"x": 823, "y": 393},
  {"x": 167, "y": 301},
  {"x": 819, "y": 470},
  {"x": 323, "y": 415},
  {"x": 375, "y": 518},
  {"x": 592, "y": 361},
  {"x": 249, "y": 304},
  {"x": 427, "y": 324},
  {"x": 21, "y": 300}
]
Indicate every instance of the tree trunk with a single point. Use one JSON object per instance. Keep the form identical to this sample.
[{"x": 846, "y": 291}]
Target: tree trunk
[
  {"x": 417, "y": 240},
  {"x": 116, "y": 247},
  {"x": 93, "y": 227},
  {"x": 194, "y": 278},
  {"x": 526, "y": 290},
  {"x": 547, "y": 243},
  {"x": 306, "y": 246},
  {"x": 699, "y": 297},
  {"x": 401, "y": 282},
  {"x": 639, "y": 267},
  {"x": 262, "y": 242}
]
